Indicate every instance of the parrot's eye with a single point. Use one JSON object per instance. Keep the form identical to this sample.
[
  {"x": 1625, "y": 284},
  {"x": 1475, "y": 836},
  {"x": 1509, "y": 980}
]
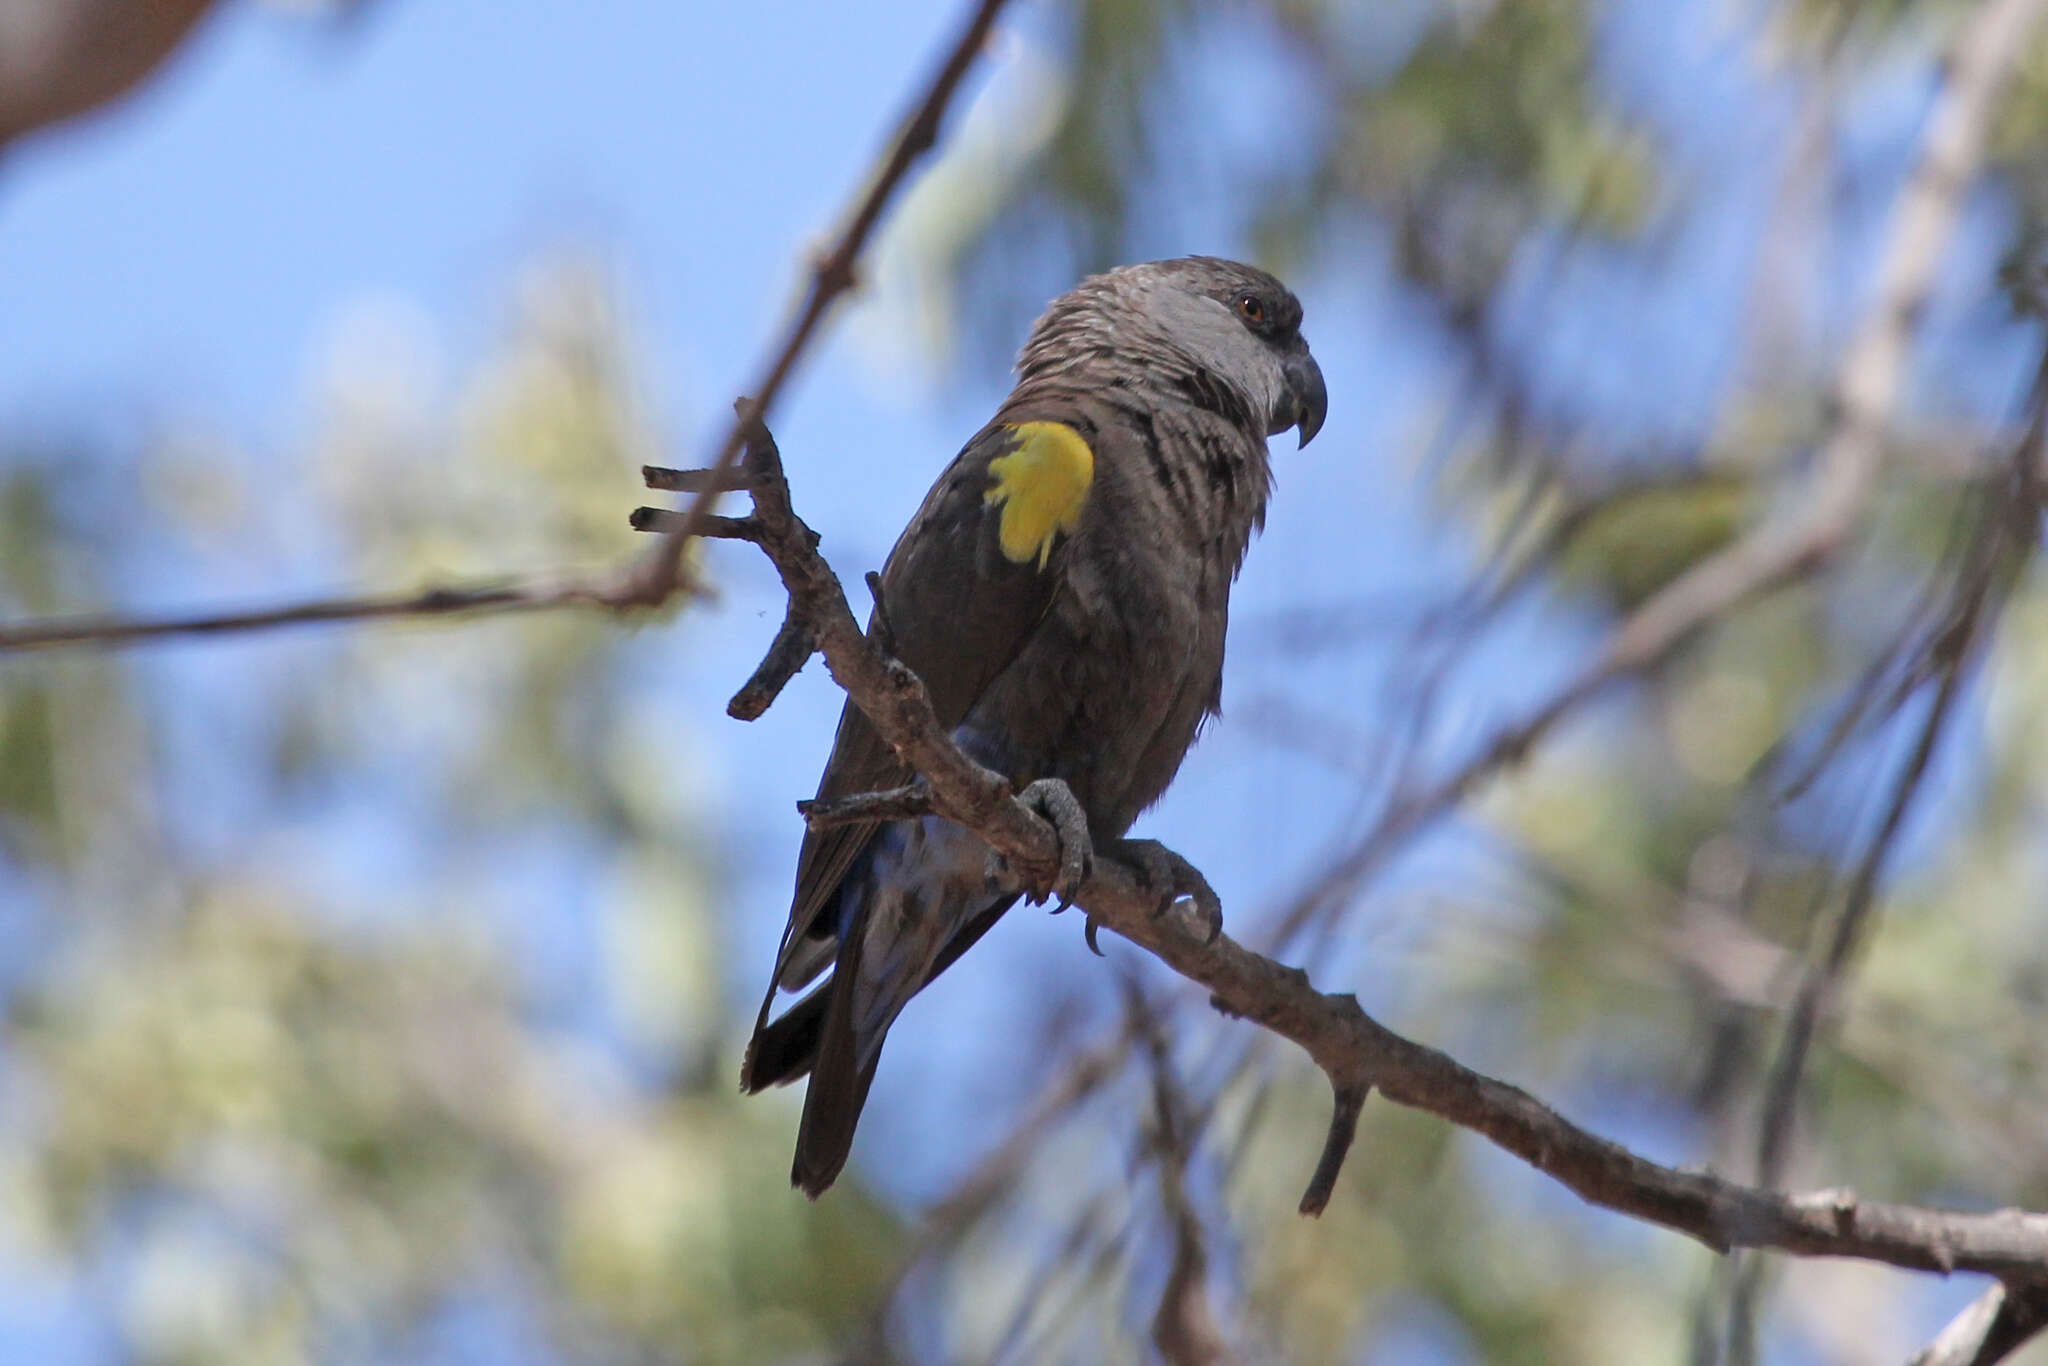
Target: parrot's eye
[{"x": 1253, "y": 310}]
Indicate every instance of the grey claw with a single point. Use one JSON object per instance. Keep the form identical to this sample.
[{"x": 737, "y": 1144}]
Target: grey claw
[
  {"x": 1089, "y": 933},
  {"x": 1053, "y": 800},
  {"x": 1175, "y": 879}
]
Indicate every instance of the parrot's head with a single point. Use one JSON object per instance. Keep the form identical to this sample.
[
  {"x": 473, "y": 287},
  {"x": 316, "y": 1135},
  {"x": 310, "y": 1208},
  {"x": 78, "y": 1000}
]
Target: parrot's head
[{"x": 1200, "y": 318}]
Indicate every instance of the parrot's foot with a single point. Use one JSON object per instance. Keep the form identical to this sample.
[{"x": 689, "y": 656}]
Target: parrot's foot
[
  {"x": 1174, "y": 880},
  {"x": 1055, "y": 801}
]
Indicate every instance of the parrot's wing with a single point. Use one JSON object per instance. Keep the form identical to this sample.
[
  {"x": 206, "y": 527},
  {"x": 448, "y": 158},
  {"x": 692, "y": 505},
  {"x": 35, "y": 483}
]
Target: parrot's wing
[{"x": 970, "y": 579}]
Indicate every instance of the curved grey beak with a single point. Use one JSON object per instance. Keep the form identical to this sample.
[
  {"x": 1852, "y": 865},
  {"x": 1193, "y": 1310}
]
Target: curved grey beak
[{"x": 1311, "y": 398}]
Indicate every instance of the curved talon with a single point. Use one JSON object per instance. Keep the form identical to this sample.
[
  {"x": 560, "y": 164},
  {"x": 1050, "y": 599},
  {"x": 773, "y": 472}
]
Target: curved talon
[
  {"x": 1088, "y": 934},
  {"x": 1175, "y": 879},
  {"x": 1055, "y": 802}
]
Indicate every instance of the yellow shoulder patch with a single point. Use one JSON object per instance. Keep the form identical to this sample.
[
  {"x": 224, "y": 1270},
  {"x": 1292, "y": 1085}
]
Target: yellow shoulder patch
[{"x": 1041, "y": 485}]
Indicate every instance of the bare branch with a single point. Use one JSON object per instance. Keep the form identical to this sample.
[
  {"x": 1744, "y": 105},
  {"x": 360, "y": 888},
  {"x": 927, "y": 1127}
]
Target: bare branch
[
  {"x": 692, "y": 481},
  {"x": 793, "y": 646},
  {"x": 714, "y": 527},
  {"x": 1350, "y": 1103},
  {"x": 1352, "y": 1048},
  {"x": 1817, "y": 988},
  {"x": 614, "y": 591},
  {"x": 787, "y": 654},
  {"x": 832, "y": 275},
  {"x": 912, "y": 799},
  {"x": 517, "y": 596}
]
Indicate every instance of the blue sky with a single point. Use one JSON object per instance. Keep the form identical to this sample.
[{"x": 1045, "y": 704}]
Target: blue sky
[
  {"x": 280, "y": 172},
  {"x": 186, "y": 257}
]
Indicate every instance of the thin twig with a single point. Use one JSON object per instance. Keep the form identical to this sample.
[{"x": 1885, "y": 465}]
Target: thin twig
[
  {"x": 787, "y": 654},
  {"x": 516, "y": 596},
  {"x": 832, "y": 275},
  {"x": 667, "y": 522},
  {"x": 1350, "y": 1103},
  {"x": 1184, "y": 1328},
  {"x": 1817, "y": 987},
  {"x": 897, "y": 803},
  {"x": 691, "y": 481}
]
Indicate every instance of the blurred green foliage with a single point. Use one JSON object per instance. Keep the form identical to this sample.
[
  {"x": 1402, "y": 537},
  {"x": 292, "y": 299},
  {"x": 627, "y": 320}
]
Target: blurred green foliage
[
  {"x": 293, "y": 1129},
  {"x": 282, "y": 1124}
]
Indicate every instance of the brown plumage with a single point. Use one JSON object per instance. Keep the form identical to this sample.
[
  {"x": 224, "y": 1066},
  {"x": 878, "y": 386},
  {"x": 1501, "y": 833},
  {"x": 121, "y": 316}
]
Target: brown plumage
[{"x": 1063, "y": 592}]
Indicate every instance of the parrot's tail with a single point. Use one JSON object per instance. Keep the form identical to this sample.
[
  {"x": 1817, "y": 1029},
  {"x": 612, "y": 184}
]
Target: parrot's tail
[
  {"x": 782, "y": 1051},
  {"x": 917, "y": 899},
  {"x": 793, "y": 1046},
  {"x": 840, "y": 1076},
  {"x": 900, "y": 918}
]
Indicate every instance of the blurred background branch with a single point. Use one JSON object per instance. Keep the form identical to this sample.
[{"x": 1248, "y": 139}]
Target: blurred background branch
[
  {"x": 75, "y": 43},
  {"x": 1999, "y": 1321},
  {"x": 60, "y": 58},
  {"x": 515, "y": 597},
  {"x": 374, "y": 995}
]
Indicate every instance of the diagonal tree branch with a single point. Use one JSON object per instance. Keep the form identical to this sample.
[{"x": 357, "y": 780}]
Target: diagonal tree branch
[
  {"x": 1353, "y": 1049},
  {"x": 832, "y": 275}
]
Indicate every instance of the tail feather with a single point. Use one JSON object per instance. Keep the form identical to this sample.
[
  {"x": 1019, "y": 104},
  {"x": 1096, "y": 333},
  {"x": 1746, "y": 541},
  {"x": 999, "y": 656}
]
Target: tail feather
[
  {"x": 842, "y": 1061},
  {"x": 782, "y": 1051},
  {"x": 825, "y": 1137},
  {"x": 914, "y": 903},
  {"x": 839, "y": 1081}
]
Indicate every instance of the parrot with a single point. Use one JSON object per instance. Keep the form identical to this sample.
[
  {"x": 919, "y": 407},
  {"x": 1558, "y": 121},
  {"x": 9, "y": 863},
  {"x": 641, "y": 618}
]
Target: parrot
[{"x": 1063, "y": 593}]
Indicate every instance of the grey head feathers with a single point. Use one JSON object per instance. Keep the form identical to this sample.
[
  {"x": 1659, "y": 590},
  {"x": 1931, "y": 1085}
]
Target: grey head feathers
[{"x": 1224, "y": 333}]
